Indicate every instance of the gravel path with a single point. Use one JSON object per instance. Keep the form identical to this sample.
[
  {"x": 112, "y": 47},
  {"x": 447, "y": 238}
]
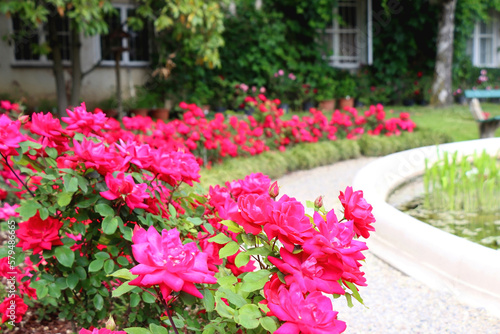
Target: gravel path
[{"x": 397, "y": 303}]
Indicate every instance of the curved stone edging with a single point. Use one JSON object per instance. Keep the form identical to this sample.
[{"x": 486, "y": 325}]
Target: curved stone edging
[{"x": 439, "y": 259}]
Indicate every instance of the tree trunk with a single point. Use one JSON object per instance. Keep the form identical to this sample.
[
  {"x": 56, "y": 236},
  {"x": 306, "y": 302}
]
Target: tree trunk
[
  {"x": 57, "y": 67},
  {"x": 441, "y": 87},
  {"x": 76, "y": 68},
  {"x": 118, "y": 84}
]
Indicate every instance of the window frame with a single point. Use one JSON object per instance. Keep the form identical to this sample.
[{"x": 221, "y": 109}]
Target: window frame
[
  {"x": 476, "y": 42},
  {"x": 125, "y": 61},
  {"x": 335, "y": 60},
  {"x": 44, "y": 60}
]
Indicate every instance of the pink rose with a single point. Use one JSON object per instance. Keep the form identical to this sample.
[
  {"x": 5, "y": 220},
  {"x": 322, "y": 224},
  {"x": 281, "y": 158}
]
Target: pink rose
[
  {"x": 10, "y": 136},
  {"x": 311, "y": 314},
  {"x": 311, "y": 273},
  {"x": 85, "y": 122},
  {"x": 288, "y": 222},
  {"x": 252, "y": 215},
  {"x": 358, "y": 210},
  {"x": 124, "y": 187},
  {"x": 166, "y": 262}
]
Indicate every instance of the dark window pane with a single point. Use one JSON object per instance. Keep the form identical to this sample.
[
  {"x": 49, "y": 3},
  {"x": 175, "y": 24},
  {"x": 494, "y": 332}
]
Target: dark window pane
[
  {"x": 25, "y": 38},
  {"x": 138, "y": 42},
  {"x": 63, "y": 37},
  {"x": 110, "y": 42}
]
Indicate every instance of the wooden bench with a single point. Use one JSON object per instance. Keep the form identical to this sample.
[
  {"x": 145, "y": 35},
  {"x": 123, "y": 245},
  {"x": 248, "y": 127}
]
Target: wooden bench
[{"x": 487, "y": 126}]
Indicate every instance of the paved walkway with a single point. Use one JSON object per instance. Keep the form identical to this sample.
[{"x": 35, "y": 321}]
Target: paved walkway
[{"x": 397, "y": 303}]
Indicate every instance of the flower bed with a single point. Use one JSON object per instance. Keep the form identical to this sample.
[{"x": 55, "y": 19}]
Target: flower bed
[{"x": 105, "y": 228}]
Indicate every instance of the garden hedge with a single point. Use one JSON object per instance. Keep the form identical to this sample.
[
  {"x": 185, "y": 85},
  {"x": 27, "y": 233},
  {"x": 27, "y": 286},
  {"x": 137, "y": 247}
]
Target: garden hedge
[{"x": 308, "y": 155}]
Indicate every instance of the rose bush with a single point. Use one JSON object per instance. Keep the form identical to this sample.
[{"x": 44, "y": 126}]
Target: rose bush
[{"x": 119, "y": 227}]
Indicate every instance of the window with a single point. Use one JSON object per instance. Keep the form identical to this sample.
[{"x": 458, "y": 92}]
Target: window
[
  {"x": 484, "y": 43},
  {"x": 133, "y": 44},
  {"x": 347, "y": 37},
  {"x": 30, "y": 42}
]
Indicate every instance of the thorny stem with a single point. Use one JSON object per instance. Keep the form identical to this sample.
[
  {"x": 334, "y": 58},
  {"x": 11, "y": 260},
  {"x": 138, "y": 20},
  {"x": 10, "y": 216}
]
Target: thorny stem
[
  {"x": 17, "y": 176},
  {"x": 274, "y": 244},
  {"x": 173, "y": 191},
  {"x": 160, "y": 296}
]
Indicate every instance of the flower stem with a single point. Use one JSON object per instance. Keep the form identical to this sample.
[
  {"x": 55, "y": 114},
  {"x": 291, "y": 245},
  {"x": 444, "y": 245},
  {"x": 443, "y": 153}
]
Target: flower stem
[
  {"x": 17, "y": 176},
  {"x": 171, "y": 320},
  {"x": 162, "y": 300}
]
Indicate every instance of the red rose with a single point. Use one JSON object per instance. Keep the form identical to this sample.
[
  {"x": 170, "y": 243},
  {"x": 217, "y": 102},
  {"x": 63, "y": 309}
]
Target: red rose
[{"x": 38, "y": 234}]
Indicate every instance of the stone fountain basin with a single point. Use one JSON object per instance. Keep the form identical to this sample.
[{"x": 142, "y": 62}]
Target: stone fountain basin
[{"x": 441, "y": 260}]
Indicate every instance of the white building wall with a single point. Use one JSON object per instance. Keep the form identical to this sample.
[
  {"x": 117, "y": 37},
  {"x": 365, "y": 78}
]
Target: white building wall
[{"x": 36, "y": 82}]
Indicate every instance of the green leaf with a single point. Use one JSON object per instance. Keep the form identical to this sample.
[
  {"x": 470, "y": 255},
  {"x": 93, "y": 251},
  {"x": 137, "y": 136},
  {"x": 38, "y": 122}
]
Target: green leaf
[
  {"x": 123, "y": 273},
  {"x": 209, "y": 228},
  {"x": 109, "y": 225},
  {"x": 72, "y": 280},
  {"x": 233, "y": 298},
  {"x": 42, "y": 292},
  {"x": 155, "y": 329},
  {"x": 44, "y": 213},
  {"x": 195, "y": 220},
  {"x": 224, "y": 310},
  {"x": 259, "y": 251},
  {"x": 104, "y": 210},
  {"x": 232, "y": 226},
  {"x": 80, "y": 271},
  {"x": 148, "y": 298},
  {"x": 72, "y": 185},
  {"x": 220, "y": 239},
  {"x": 109, "y": 265},
  {"x": 355, "y": 292},
  {"x": 102, "y": 255},
  {"x": 28, "y": 209},
  {"x": 255, "y": 280},
  {"x": 96, "y": 265},
  {"x": 122, "y": 260},
  {"x": 227, "y": 280},
  {"x": 269, "y": 324},
  {"x": 26, "y": 145},
  {"x": 242, "y": 259},
  {"x": 83, "y": 183},
  {"x": 124, "y": 288},
  {"x": 98, "y": 302},
  {"x": 136, "y": 330},
  {"x": 134, "y": 300},
  {"x": 208, "y": 300},
  {"x": 172, "y": 211},
  {"x": 65, "y": 256},
  {"x": 64, "y": 198},
  {"x": 348, "y": 297},
  {"x": 249, "y": 315},
  {"x": 248, "y": 239},
  {"x": 87, "y": 202},
  {"x": 229, "y": 249}
]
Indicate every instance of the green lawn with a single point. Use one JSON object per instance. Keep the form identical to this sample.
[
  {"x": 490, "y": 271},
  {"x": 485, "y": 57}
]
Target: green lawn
[{"x": 456, "y": 120}]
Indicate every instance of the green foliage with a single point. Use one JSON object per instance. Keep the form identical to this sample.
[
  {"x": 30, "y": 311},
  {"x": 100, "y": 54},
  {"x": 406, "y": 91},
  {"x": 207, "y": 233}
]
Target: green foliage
[
  {"x": 87, "y": 17},
  {"x": 307, "y": 156},
  {"x": 467, "y": 13},
  {"x": 404, "y": 43},
  {"x": 193, "y": 26},
  {"x": 346, "y": 87},
  {"x": 467, "y": 183}
]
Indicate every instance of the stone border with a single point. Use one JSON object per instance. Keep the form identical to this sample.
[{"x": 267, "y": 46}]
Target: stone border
[{"x": 439, "y": 259}]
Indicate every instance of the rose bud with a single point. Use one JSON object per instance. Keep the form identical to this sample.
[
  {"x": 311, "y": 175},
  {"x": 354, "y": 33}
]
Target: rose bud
[
  {"x": 274, "y": 190},
  {"x": 318, "y": 202}
]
